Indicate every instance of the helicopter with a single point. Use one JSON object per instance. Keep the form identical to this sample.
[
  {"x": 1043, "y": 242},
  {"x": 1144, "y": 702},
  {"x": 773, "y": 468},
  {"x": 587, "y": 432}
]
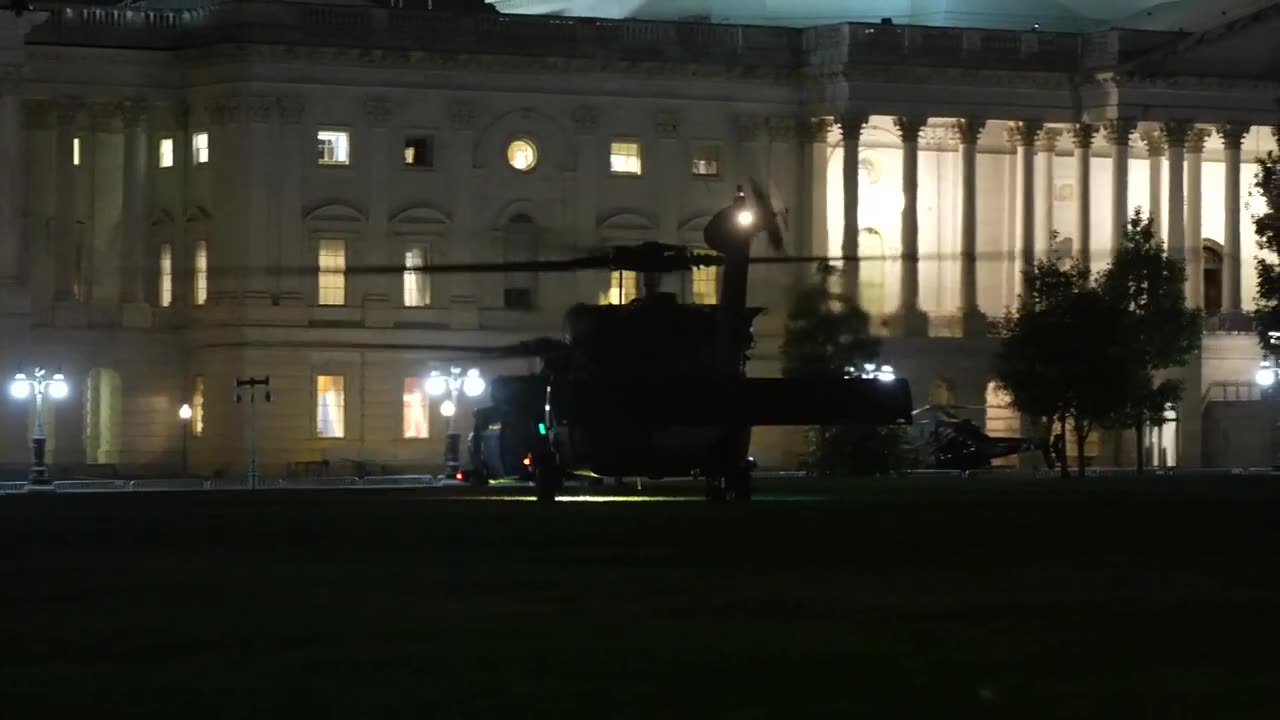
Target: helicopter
[
  {"x": 943, "y": 440},
  {"x": 657, "y": 388}
]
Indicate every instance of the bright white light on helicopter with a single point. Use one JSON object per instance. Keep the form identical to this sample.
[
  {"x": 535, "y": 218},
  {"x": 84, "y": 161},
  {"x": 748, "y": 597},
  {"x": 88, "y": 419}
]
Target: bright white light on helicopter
[
  {"x": 746, "y": 217},
  {"x": 21, "y": 387},
  {"x": 436, "y": 384},
  {"x": 1266, "y": 374},
  {"x": 58, "y": 388},
  {"x": 886, "y": 373},
  {"x": 472, "y": 385},
  {"x": 447, "y": 409}
]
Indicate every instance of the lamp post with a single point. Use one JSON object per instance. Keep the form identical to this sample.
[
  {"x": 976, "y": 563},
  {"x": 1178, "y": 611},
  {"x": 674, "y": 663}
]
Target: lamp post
[
  {"x": 471, "y": 385},
  {"x": 252, "y": 384},
  {"x": 23, "y": 387},
  {"x": 184, "y": 414}
]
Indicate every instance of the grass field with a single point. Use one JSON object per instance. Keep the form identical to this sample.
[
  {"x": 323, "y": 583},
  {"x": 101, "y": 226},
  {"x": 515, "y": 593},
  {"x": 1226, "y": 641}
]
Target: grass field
[{"x": 947, "y": 601}]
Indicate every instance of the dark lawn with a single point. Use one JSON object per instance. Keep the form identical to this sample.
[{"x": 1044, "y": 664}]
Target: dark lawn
[{"x": 911, "y": 602}]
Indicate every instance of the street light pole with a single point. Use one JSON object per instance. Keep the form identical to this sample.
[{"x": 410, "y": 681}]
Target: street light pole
[
  {"x": 37, "y": 385},
  {"x": 252, "y": 384},
  {"x": 471, "y": 385}
]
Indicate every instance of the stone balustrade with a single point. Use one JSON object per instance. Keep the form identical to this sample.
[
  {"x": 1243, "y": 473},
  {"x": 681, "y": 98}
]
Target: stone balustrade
[{"x": 259, "y": 21}]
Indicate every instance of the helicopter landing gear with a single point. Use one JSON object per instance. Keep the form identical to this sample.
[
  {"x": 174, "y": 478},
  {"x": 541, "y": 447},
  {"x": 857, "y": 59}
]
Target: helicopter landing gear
[
  {"x": 739, "y": 485},
  {"x": 548, "y": 481},
  {"x": 715, "y": 489}
]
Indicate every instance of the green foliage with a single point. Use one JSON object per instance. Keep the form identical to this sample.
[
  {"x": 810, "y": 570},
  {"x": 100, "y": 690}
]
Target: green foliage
[
  {"x": 825, "y": 333},
  {"x": 1267, "y": 227}
]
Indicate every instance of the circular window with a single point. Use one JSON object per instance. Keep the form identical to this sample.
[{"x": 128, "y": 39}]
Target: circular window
[{"x": 522, "y": 155}]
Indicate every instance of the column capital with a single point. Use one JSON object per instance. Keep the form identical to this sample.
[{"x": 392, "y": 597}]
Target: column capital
[
  {"x": 967, "y": 131},
  {"x": 666, "y": 124},
  {"x": 586, "y": 119},
  {"x": 747, "y": 127},
  {"x": 851, "y": 123},
  {"x": 1232, "y": 135},
  {"x": 1047, "y": 139},
  {"x": 817, "y": 130},
  {"x": 1196, "y": 138},
  {"x": 1022, "y": 133},
  {"x": 291, "y": 110},
  {"x": 1154, "y": 142},
  {"x": 378, "y": 111},
  {"x": 1082, "y": 135},
  {"x": 106, "y": 116},
  {"x": 1118, "y": 130},
  {"x": 909, "y": 128},
  {"x": 67, "y": 110},
  {"x": 39, "y": 114},
  {"x": 1175, "y": 133},
  {"x": 781, "y": 128},
  {"x": 133, "y": 113}
]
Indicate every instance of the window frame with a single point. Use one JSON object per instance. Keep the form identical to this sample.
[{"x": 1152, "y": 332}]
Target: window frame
[
  {"x": 717, "y": 279},
  {"x": 199, "y": 272},
  {"x": 334, "y": 130},
  {"x": 197, "y": 406},
  {"x": 606, "y": 298},
  {"x": 639, "y": 156},
  {"x": 164, "y": 294},
  {"x": 533, "y": 145},
  {"x": 698, "y": 146},
  {"x": 160, "y": 152},
  {"x": 430, "y": 137},
  {"x": 321, "y": 273},
  {"x": 430, "y": 406},
  {"x": 77, "y": 150},
  {"x": 424, "y": 247},
  {"x": 195, "y": 148},
  {"x": 315, "y": 403}
]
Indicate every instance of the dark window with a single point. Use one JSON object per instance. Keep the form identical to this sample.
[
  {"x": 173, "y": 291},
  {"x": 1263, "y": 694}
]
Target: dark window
[
  {"x": 517, "y": 298},
  {"x": 420, "y": 151}
]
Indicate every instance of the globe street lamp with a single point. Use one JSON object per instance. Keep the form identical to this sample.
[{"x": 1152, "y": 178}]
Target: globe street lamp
[
  {"x": 184, "y": 414},
  {"x": 24, "y": 387},
  {"x": 471, "y": 385}
]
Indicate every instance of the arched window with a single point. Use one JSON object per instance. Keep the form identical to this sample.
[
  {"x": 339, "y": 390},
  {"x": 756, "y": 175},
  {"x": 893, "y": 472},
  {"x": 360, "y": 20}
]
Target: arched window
[
  {"x": 1212, "y": 278},
  {"x": 873, "y": 268},
  {"x": 519, "y": 244},
  {"x": 103, "y": 418}
]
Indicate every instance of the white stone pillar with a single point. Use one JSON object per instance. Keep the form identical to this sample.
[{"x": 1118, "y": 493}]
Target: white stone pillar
[
  {"x": 1082, "y": 135},
  {"x": 135, "y": 241},
  {"x": 384, "y": 290},
  {"x": 910, "y": 320},
  {"x": 1155, "y": 169},
  {"x": 1232, "y": 139},
  {"x": 294, "y": 146},
  {"x": 1046, "y": 146},
  {"x": 968, "y": 131},
  {"x": 1194, "y": 232},
  {"x": 103, "y": 151},
  {"x": 816, "y": 241},
  {"x": 851, "y": 124},
  {"x": 1175, "y": 136},
  {"x": 1117, "y": 134},
  {"x": 1023, "y": 134},
  {"x": 66, "y": 270}
]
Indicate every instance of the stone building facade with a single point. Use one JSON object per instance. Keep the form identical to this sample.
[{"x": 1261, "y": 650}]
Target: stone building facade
[{"x": 187, "y": 197}]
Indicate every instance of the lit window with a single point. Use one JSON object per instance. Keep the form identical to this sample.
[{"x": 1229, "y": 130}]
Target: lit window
[
  {"x": 166, "y": 275},
  {"x": 333, "y": 272},
  {"x": 331, "y": 406},
  {"x": 417, "y": 288},
  {"x": 706, "y": 161},
  {"x": 166, "y": 152},
  {"x": 416, "y": 406},
  {"x": 333, "y": 146},
  {"x": 522, "y": 155},
  {"x": 201, "y": 280},
  {"x": 624, "y": 157},
  {"x": 197, "y": 406},
  {"x": 706, "y": 281},
  {"x": 420, "y": 151},
  {"x": 200, "y": 148},
  {"x": 75, "y": 151},
  {"x": 623, "y": 285}
]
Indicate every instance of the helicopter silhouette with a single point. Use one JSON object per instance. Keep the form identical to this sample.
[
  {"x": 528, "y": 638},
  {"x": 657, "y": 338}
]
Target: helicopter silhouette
[{"x": 944, "y": 440}]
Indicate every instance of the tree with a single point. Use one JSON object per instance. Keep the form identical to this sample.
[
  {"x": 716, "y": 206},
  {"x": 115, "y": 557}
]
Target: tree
[
  {"x": 1267, "y": 227},
  {"x": 826, "y": 332},
  {"x": 1149, "y": 286},
  {"x": 1056, "y": 357}
]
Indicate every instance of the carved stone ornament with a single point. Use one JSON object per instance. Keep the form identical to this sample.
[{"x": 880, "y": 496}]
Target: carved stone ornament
[
  {"x": 909, "y": 128},
  {"x": 260, "y": 109},
  {"x": 782, "y": 128},
  {"x": 67, "y": 110},
  {"x": 585, "y": 118},
  {"x": 1196, "y": 138},
  {"x": 967, "y": 131},
  {"x": 38, "y": 114},
  {"x": 1047, "y": 139},
  {"x": 106, "y": 116},
  {"x": 1118, "y": 131},
  {"x": 1023, "y": 133},
  {"x": 936, "y": 138},
  {"x": 851, "y": 125},
  {"x": 818, "y": 130},
  {"x": 747, "y": 128},
  {"x": 1154, "y": 142},
  {"x": 1175, "y": 133},
  {"x": 378, "y": 110},
  {"x": 133, "y": 112},
  {"x": 666, "y": 124},
  {"x": 291, "y": 110},
  {"x": 1232, "y": 135},
  {"x": 1082, "y": 135},
  {"x": 225, "y": 111},
  {"x": 463, "y": 115}
]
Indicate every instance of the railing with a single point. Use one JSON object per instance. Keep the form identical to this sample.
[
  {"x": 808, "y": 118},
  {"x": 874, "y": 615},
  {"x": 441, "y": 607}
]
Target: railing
[
  {"x": 867, "y": 43},
  {"x": 1232, "y": 391},
  {"x": 1235, "y": 323}
]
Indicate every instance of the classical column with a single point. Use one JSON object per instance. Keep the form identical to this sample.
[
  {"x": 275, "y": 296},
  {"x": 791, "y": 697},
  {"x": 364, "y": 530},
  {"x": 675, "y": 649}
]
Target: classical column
[
  {"x": 1082, "y": 135},
  {"x": 1155, "y": 168},
  {"x": 1117, "y": 133},
  {"x": 1046, "y": 146},
  {"x": 851, "y": 124},
  {"x": 1232, "y": 139},
  {"x": 295, "y": 146},
  {"x": 816, "y": 151},
  {"x": 12, "y": 169},
  {"x": 1175, "y": 136},
  {"x": 133, "y": 114},
  {"x": 66, "y": 270},
  {"x": 1194, "y": 232},
  {"x": 968, "y": 131},
  {"x": 910, "y": 320},
  {"x": 1023, "y": 134},
  {"x": 388, "y": 289},
  {"x": 103, "y": 152}
]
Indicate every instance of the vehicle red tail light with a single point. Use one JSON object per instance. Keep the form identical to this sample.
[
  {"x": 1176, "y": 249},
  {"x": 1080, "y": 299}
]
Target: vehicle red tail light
[
  {"x": 458, "y": 476},
  {"x": 528, "y": 461}
]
